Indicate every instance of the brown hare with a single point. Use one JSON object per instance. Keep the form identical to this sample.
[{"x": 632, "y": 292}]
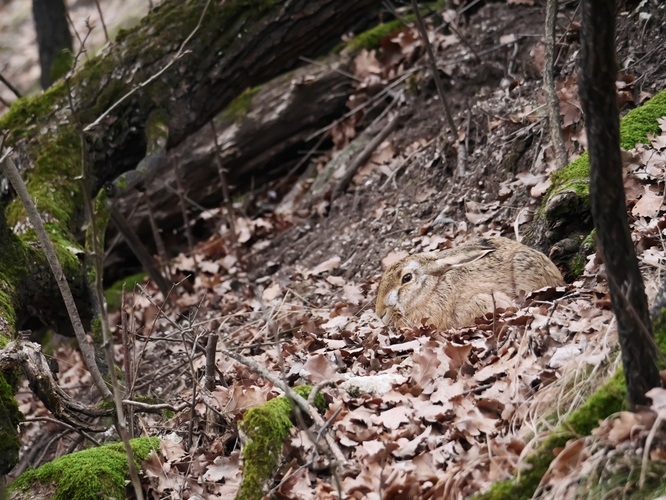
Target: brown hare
[{"x": 450, "y": 288}]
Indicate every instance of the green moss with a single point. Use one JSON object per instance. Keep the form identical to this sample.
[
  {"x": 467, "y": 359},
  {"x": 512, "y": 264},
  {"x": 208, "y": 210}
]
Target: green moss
[
  {"x": 157, "y": 130},
  {"x": 634, "y": 129},
  {"x": 10, "y": 416},
  {"x": 13, "y": 272},
  {"x": 114, "y": 293},
  {"x": 608, "y": 399},
  {"x": 22, "y": 117},
  {"x": 266, "y": 427},
  {"x": 62, "y": 64},
  {"x": 89, "y": 474},
  {"x": 639, "y": 122},
  {"x": 371, "y": 38},
  {"x": 239, "y": 107},
  {"x": 577, "y": 264},
  {"x": 589, "y": 244}
]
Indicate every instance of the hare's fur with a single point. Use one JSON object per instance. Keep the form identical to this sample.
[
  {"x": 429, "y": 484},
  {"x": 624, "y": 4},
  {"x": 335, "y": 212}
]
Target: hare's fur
[{"x": 451, "y": 288}]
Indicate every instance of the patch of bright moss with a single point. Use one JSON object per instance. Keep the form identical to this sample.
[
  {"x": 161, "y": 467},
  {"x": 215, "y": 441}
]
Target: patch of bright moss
[
  {"x": 10, "y": 416},
  {"x": 23, "y": 113},
  {"x": 114, "y": 293},
  {"x": 371, "y": 38},
  {"x": 62, "y": 64},
  {"x": 577, "y": 264},
  {"x": 634, "y": 129},
  {"x": 608, "y": 399},
  {"x": 89, "y": 474},
  {"x": 266, "y": 427},
  {"x": 239, "y": 107}
]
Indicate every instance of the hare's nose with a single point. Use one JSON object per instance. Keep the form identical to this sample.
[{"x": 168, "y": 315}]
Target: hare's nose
[{"x": 386, "y": 315}]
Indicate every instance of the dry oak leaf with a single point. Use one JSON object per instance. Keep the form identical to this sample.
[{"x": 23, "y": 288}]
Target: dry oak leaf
[
  {"x": 227, "y": 468},
  {"x": 271, "y": 292},
  {"x": 327, "y": 265},
  {"x": 649, "y": 204},
  {"x": 393, "y": 418},
  {"x": 567, "y": 460},
  {"x": 353, "y": 294},
  {"x": 408, "y": 448},
  {"x": 319, "y": 368}
]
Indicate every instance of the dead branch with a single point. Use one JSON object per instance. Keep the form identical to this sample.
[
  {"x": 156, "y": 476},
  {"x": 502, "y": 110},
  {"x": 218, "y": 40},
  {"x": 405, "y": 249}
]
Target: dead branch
[
  {"x": 435, "y": 70},
  {"x": 29, "y": 357},
  {"x": 295, "y": 397},
  {"x": 12, "y": 173},
  {"x": 553, "y": 103},
  {"x": 365, "y": 155}
]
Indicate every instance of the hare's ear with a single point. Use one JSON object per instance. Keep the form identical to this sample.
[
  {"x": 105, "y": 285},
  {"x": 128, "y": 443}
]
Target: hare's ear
[{"x": 459, "y": 258}]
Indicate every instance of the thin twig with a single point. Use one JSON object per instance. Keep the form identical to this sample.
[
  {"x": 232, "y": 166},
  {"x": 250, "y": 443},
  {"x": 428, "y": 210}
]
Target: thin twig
[
  {"x": 181, "y": 53},
  {"x": 554, "y": 120},
  {"x": 10, "y": 86},
  {"x": 225, "y": 190},
  {"x": 435, "y": 70},
  {"x": 183, "y": 208},
  {"x": 101, "y": 18},
  {"x": 64, "y": 424},
  {"x": 295, "y": 397},
  {"x": 12, "y": 173}
]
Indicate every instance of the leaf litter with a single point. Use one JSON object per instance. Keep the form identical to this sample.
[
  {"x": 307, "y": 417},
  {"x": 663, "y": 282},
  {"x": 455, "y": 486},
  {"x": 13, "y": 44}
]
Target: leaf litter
[{"x": 420, "y": 413}]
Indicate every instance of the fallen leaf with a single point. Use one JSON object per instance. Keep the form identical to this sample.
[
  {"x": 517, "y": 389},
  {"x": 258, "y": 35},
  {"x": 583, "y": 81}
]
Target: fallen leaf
[{"x": 649, "y": 204}]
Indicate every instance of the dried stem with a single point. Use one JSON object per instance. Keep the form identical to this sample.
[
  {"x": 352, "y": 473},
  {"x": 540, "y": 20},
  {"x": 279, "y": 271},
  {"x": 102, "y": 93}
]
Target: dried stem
[
  {"x": 10, "y": 86},
  {"x": 12, "y": 173},
  {"x": 435, "y": 71},
  {"x": 225, "y": 189},
  {"x": 295, "y": 397},
  {"x": 157, "y": 237},
  {"x": 554, "y": 121},
  {"x": 101, "y": 18}
]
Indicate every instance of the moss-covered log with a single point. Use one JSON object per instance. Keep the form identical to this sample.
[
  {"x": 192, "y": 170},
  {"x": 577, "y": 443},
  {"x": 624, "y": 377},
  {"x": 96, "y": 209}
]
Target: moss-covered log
[
  {"x": 258, "y": 128},
  {"x": 206, "y": 55},
  {"x": 183, "y": 64},
  {"x": 85, "y": 475},
  {"x": 565, "y": 220},
  {"x": 266, "y": 427}
]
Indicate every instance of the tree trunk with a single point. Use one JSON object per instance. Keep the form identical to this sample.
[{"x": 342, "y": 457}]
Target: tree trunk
[
  {"x": 160, "y": 82},
  {"x": 52, "y": 38},
  {"x": 609, "y": 209},
  {"x": 254, "y": 132},
  {"x": 231, "y": 49}
]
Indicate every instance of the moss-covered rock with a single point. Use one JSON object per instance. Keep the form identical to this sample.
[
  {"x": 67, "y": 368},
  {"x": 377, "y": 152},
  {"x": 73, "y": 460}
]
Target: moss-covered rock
[
  {"x": 608, "y": 399},
  {"x": 565, "y": 209},
  {"x": 266, "y": 428},
  {"x": 87, "y": 475}
]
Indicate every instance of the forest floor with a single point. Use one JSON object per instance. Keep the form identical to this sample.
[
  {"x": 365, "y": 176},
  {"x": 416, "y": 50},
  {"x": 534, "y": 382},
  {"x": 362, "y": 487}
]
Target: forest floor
[{"x": 454, "y": 411}]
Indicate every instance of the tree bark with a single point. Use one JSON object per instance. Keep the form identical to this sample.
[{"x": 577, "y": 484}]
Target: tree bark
[
  {"x": 203, "y": 61},
  {"x": 598, "y": 97},
  {"x": 275, "y": 120},
  {"x": 160, "y": 82}
]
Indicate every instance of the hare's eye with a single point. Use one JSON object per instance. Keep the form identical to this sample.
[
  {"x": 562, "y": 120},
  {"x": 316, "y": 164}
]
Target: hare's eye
[{"x": 407, "y": 278}]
